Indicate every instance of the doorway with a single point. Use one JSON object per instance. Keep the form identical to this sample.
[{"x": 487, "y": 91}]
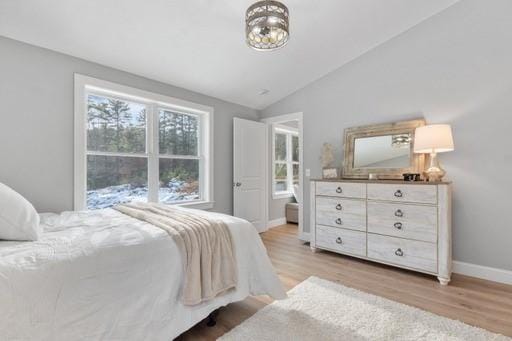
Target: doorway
[{"x": 285, "y": 185}]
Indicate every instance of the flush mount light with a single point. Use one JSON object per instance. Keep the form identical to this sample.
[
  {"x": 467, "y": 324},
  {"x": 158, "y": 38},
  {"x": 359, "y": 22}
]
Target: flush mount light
[{"x": 267, "y": 25}]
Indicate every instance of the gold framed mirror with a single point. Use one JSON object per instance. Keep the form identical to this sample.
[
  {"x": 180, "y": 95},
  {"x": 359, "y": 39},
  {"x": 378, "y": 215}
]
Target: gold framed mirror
[{"x": 386, "y": 150}]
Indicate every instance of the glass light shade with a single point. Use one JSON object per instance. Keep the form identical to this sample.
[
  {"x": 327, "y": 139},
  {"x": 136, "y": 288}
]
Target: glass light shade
[
  {"x": 267, "y": 25},
  {"x": 435, "y": 138}
]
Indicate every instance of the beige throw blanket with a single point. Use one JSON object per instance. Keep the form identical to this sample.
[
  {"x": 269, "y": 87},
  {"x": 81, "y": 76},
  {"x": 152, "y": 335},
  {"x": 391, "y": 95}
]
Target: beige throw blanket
[{"x": 205, "y": 245}]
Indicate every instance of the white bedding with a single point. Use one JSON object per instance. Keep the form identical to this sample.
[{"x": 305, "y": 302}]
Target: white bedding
[{"x": 101, "y": 275}]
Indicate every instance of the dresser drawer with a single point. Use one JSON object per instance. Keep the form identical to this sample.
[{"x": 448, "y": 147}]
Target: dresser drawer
[
  {"x": 426, "y": 194},
  {"x": 409, "y": 253},
  {"x": 341, "y": 240},
  {"x": 403, "y": 220},
  {"x": 341, "y": 189},
  {"x": 338, "y": 212}
]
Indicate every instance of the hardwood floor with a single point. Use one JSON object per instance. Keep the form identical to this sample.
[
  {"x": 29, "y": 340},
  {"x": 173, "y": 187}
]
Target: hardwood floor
[{"x": 474, "y": 301}]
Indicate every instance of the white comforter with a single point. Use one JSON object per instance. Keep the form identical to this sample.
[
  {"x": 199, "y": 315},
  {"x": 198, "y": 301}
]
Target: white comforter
[{"x": 101, "y": 275}]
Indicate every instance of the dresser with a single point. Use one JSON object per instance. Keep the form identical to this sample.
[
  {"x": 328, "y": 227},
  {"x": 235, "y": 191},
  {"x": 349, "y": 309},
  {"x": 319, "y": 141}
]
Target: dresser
[{"x": 404, "y": 224}]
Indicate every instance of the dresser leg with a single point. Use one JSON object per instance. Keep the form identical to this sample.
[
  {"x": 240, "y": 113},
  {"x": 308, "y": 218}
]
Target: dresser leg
[
  {"x": 443, "y": 281},
  {"x": 313, "y": 249}
]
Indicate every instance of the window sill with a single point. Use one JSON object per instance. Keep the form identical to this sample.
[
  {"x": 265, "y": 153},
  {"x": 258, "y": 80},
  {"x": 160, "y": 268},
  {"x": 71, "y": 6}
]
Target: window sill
[
  {"x": 282, "y": 195},
  {"x": 200, "y": 205}
]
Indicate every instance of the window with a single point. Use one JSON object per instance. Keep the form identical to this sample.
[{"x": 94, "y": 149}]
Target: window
[
  {"x": 132, "y": 145},
  {"x": 179, "y": 159},
  {"x": 285, "y": 160}
]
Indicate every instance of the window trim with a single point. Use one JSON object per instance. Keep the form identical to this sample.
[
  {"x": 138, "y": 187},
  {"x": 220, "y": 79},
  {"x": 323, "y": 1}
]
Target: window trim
[
  {"x": 289, "y": 132},
  {"x": 84, "y": 84}
]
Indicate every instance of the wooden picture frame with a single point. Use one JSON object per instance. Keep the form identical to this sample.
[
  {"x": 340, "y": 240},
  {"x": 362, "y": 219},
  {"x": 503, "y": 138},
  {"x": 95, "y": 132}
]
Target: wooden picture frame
[{"x": 417, "y": 161}]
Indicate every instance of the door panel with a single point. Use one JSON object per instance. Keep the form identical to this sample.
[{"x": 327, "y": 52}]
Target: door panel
[{"x": 249, "y": 171}]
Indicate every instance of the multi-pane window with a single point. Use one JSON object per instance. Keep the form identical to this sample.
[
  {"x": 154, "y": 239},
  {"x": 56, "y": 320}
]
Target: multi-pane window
[
  {"x": 295, "y": 159},
  {"x": 117, "y": 163},
  {"x": 285, "y": 161},
  {"x": 179, "y": 159},
  {"x": 139, "y": 149}
]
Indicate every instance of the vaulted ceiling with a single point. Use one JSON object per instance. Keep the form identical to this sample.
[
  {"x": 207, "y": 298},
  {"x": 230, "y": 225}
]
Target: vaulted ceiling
[{"x": 199, "y": 44}]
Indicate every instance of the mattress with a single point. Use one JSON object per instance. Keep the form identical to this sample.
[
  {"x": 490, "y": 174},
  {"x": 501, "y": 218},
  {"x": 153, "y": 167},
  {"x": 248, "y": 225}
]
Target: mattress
[{"x": 101, "y": 275}]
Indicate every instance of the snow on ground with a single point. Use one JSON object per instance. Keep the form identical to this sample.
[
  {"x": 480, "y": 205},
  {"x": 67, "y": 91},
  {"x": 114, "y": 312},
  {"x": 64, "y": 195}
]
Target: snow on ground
[{"x": 113, "y": 195}]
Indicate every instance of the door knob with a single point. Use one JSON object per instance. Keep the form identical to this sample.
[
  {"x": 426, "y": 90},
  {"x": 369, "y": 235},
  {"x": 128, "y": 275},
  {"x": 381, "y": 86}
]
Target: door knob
[{"x": 238, "y": 184}]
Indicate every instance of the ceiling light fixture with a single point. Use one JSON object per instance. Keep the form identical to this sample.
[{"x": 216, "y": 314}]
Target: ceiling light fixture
[{"x": 267, "y": 25}]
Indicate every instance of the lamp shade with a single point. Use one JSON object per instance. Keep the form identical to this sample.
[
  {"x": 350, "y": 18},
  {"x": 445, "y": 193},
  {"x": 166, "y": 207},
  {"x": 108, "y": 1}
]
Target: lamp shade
[{"x": 435, "y": 138}]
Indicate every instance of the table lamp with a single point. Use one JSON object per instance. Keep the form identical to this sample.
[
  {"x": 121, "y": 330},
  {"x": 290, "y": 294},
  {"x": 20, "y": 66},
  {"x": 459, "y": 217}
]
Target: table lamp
[{"x": 433, "y": 139}]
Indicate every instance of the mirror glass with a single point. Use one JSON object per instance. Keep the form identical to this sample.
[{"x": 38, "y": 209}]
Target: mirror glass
[{"x": 387, "y": 151}]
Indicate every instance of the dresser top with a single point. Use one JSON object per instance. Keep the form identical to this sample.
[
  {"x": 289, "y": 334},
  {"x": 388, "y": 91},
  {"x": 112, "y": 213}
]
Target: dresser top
[{"x": 402, "y": 182}]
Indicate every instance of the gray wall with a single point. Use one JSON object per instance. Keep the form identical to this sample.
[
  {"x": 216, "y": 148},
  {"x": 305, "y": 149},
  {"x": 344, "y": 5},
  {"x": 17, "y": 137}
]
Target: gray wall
[
  {"x": 36, "y": 123},
  {"x": 455, "y": 68},
  {"x": 277, "y": 207}
]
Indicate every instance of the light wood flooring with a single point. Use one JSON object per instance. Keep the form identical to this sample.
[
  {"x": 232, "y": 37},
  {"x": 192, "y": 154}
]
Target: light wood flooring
[{"x": 474, "y": 301}]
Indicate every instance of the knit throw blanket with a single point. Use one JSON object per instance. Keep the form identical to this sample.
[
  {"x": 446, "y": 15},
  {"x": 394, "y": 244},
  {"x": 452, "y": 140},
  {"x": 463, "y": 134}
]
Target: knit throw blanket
[{"x": 204, "y": 243}]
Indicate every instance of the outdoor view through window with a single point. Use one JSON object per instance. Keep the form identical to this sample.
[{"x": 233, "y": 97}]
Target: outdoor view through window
[
  {"x": 286, "y": 160},
  {"x": 117, "y": 153}
]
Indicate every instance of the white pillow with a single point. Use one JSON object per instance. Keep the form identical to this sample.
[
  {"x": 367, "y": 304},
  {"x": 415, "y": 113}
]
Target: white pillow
[
  {"x": 296, "y": 193},
  {"x": 18, "y": 218}
]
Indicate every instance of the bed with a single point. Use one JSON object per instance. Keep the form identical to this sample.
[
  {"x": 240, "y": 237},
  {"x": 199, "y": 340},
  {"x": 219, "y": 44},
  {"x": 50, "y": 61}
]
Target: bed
[{"x": 102, "y": 275}]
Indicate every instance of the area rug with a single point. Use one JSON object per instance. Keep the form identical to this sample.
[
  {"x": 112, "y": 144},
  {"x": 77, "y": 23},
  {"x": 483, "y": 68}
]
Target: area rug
[{"x": 319, "y": 310}]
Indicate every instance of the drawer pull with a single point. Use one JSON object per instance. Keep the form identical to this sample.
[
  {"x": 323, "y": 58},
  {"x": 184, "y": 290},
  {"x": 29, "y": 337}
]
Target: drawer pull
[
  {"x": 339, "y": 190},
  {"x": 338, "y": 240},
  {"x": 399, "y": 252},
  {"x": 398, "y": 225},
  {"x": 338, "y": 221},
  {"x": 399, "y": 213},
  {"x": 338, "y": 207},
  {"x": 398, "y": 193}
]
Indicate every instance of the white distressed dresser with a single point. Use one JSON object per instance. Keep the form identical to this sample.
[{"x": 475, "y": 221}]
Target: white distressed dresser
[{"x": 405, "y": 224}]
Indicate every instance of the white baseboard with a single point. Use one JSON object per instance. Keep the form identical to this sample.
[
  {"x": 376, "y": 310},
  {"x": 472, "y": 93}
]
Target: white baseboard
[
  {"x": 484, "y": 272},
  {"x": 276, "y": 222}
]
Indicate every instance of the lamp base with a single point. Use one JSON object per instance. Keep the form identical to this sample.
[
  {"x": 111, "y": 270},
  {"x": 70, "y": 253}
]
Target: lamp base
[{"x": 434, "y": 172}]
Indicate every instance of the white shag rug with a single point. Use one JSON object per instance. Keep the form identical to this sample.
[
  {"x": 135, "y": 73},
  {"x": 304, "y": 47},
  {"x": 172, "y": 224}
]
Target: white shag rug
[{"x": 320, "y": 310}]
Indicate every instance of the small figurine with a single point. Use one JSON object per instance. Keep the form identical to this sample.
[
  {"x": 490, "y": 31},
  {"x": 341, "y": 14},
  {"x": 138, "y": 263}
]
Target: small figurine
[{"x": 327, "y": 157}]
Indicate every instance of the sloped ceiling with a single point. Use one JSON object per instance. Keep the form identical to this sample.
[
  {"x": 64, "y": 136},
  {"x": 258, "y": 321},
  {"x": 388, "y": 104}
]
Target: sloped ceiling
[{"x": 199, "y": 44}]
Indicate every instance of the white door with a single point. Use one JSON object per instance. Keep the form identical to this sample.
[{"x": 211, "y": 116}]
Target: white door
[{"x": 249, "y": 173}]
